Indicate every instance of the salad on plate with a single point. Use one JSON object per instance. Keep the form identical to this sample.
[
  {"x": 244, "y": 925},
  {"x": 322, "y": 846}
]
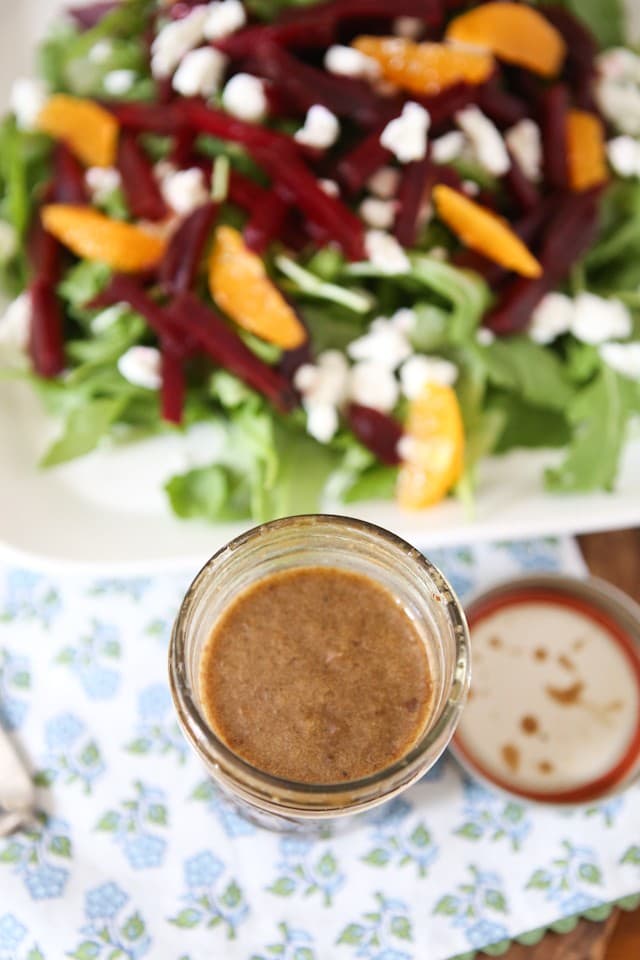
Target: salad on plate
[{"x": 349, "y": 248}]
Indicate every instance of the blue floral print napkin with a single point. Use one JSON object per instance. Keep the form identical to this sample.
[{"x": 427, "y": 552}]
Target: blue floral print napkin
[{"x": 136, "y": 854}]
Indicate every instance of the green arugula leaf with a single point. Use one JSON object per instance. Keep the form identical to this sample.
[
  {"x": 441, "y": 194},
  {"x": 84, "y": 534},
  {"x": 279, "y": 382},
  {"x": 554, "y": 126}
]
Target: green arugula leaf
[
  {"x": 378, "y": 482},
  {"x": 529, "y": 370},
  {"x": 605, "y": 18},
  {"x": 86, "y": 425},
  {"x": 527, "y": 426},
  {"x": 212, "y": 493}
]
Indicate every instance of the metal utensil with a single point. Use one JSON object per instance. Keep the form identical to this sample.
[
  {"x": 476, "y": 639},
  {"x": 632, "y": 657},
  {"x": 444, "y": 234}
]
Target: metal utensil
[{"x": 17, "y": 790}]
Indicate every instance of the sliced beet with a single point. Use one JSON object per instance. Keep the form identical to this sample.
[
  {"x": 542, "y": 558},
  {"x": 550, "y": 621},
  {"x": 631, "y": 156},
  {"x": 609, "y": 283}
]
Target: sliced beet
[
  {"x": 417, "y": 180},
  {"x": 522, "y": 191},
  {"x": 163, "y": 119},
  {"x": 582, "y": 50},
  {"x": 139, "y": 183},
  {"x": 68, "y": 184},
  {"x": 178, "y": 268},
  {"x": 173, "y": 388},
  {"x": 46, "y": 342},
  {"x": 266, "y": 222},
  {"x": 554, "y": 109},
  {"x": 504, "y": 108},
  {"x": 196, "y": 114},
  {"x": 377, "y": 431},
  {"x": 123, "y": 288},
  {"x": 362, "y": 161},
  {"x": 89, "y": 15}
]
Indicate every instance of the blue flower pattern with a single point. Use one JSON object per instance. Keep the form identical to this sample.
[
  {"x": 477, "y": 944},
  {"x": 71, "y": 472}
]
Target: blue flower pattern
[
  {"x": 15, "y": 684},
  {"x": 72, "y": 754},
  {"x": 94, "y": 661},
  {"x": 136, "y": 826},
  {"x": 39, "y": 857},
  {"x": 131, "y": 789}
]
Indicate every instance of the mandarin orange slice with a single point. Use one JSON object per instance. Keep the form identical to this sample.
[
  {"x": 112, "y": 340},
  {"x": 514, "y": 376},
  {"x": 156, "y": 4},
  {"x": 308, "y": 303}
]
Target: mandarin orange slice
[
  {"x": 92, "y": 236},
  {"x": 586, "y": 150},
  {"x": 514, "y": 32},
  {"x": 434, "y": 457},
  {"x": 240, "y": 285},
  {"x": 484, "y": 231},
  {"x": 90, "y": 131},
  {"x": 425, "y": 68}
]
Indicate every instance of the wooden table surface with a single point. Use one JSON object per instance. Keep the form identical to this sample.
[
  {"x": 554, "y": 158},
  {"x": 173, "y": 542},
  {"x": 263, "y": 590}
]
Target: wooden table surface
[{"x": 614, "y": 557}]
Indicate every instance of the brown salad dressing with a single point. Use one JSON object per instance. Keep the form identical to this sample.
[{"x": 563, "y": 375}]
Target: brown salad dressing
[{"x": 316, "y": 675}]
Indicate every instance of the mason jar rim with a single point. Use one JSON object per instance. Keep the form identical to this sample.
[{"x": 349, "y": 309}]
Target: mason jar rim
[{"x": 300, "y": 798}]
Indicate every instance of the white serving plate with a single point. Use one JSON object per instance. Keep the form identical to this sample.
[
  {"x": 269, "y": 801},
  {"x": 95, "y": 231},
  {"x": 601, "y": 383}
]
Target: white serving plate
[{"x": 108, "y": 510}]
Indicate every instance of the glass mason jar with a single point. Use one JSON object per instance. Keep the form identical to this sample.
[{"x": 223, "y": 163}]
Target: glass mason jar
[{"x": 334, "y": 542}]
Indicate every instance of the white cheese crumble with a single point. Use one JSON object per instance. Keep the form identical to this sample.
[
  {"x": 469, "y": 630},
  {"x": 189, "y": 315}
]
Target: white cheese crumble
[
  {"x": 101, "y": 182},
  {"x": 486, "y": 140},
  {"x": 330, "y": 187},
  {"x": 448, "y": 147},
  {"x": 106, "y": 318},
  {"x": 184, "y": 190},
  {"x": 119, "y": 82},
  {"x": 471, "y": 188},
  {"x": 597, "y": 319},
  {"x": 175, "y": 40},
  {"x": 419, "y": 370},
  {"x": 141, "y": 366},
  {"x": 384, "y": 183},
  {"x": 551, "y": 318},
  {"x": 406, "y": 136},
  {"x": 385, "y": 252},
  {"x": 100, "y": 51},
  {"x": 27, "y": 98},
  {"x": 617, "y": 90},
  {"x": 223, "y": 19},
  {"x": 525, "y": 142},
  {"x": 15, "y": 323},
  {"x": 244, "y": 97},
  {"x": 8, "y": 241},
  {"x": 373, "y": 385},
  {"x": 624, "y": 156},
  {"x": 320, "y": 130},
  {"x": 377, "y": 213},
  {"x": 485, "y": 337},
  {"x": 624, "y": 358},
  {"x": 200, "y": 73},
  {"x": 385, "y": 343},
  {"x": 323, "y": 386},
  {"x": 349, "y": 62},
  {"x": 410, "y": 28}
]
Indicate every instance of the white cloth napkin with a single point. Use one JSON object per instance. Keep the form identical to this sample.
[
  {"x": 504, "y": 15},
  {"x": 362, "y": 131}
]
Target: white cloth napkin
[{"x": 137, "y": 855}]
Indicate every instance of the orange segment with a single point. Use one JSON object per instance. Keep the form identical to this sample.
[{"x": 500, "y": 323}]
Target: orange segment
[
  {"x": 514, "y": 32},
  {"x": 425, "y": 68},
  {"x": 435, "y": 456},
  {"x": 586, "y": 150},
  {"x": 240, "y": 286},
  {"x": 484, "y": 231},
  {"x": 89, "y": 130},
  {"x": 93, "y": 236}
]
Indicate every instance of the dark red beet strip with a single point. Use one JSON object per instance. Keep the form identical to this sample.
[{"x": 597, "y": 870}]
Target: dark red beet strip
[
  {"x": 158, "y": 118},
  {"x": 442, "y": 106},
  {"x": 569, "y": 235},
  {"x": 504, "y": 108},
  {"x": 376, "y": 431},
  {"x": 44, "y": 253},
  {"x": 522, "y": 191},
  {"x": 173, "y": 389},
  {"x": 178, "y": 268},
  {"x": 206, "y": 119},
  {"x": 227, "y": 349},
  {"x": 417, "y": 180},
  {"x": 46, "y": 343},
  {"x": 126, "y": 289},
  {"x": 140, "y": 186},
  {"x": 298, "y": 186},
  {"x": 362, "y": 161},
  {"x": 554, "y": 108},
  {"x": 244, "y": 192},
  {"x": 582, "y": 49},
  {"x": 182, "y": 149},
  {"x": 88, "y": 16},
  {"x": 266, "y": 222},
  {"x": 68, "y": 184}
]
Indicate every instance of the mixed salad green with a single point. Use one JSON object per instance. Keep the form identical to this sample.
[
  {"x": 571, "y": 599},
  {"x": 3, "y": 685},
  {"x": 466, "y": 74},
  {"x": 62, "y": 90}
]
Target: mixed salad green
[{"x": 569, "y": 391}]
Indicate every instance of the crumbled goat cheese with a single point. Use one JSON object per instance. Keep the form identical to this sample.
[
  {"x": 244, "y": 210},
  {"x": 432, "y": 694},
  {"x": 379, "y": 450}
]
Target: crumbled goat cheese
[
  {"x": 384, "y": 344},
  {"x": 377, "y": 213},
  {"x": 175, "y": 40},
  {"x": 373, "y": 385},
  {"x": 142, "y": 367},
  {"x": 485, "y": 337},
  {"x": 385, "y": 252},
  {"x": 597, "y": 319},
  {"x": 448, "y": 147},
  {"x": 321, "y": 128},
  {"x": 26, "y": 100},
  {"x": 624, "y": 358},
  {"x": 406, "y": 136},
  {"x": 100, "y": 51},
  {"x": 617, "y": 89},
  {"x": 349, "y": 62},
  {"x": 106, "y": 318},
  {"x": 486, "y": 140},
  {"x": 624, "y": 156},
  {"x": 551, "y": 318},
  {"x": 330, "y": 187},
  {"x": 245, "y": 97},
  {"x": 323, "y": 386},
  {"x": 200, "y": 73},
  {"x": 419, "y": 370},
  {"x": 525, "y": 142},
  {"x": 15, "y": 323},
  {"x": 101, "y": 182},
  {"x": 185, "y": 190},
  {"x": 384, "y": 183},
  {"x": 119, "y": 82},
  {"x": 223, "y": 19}
]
